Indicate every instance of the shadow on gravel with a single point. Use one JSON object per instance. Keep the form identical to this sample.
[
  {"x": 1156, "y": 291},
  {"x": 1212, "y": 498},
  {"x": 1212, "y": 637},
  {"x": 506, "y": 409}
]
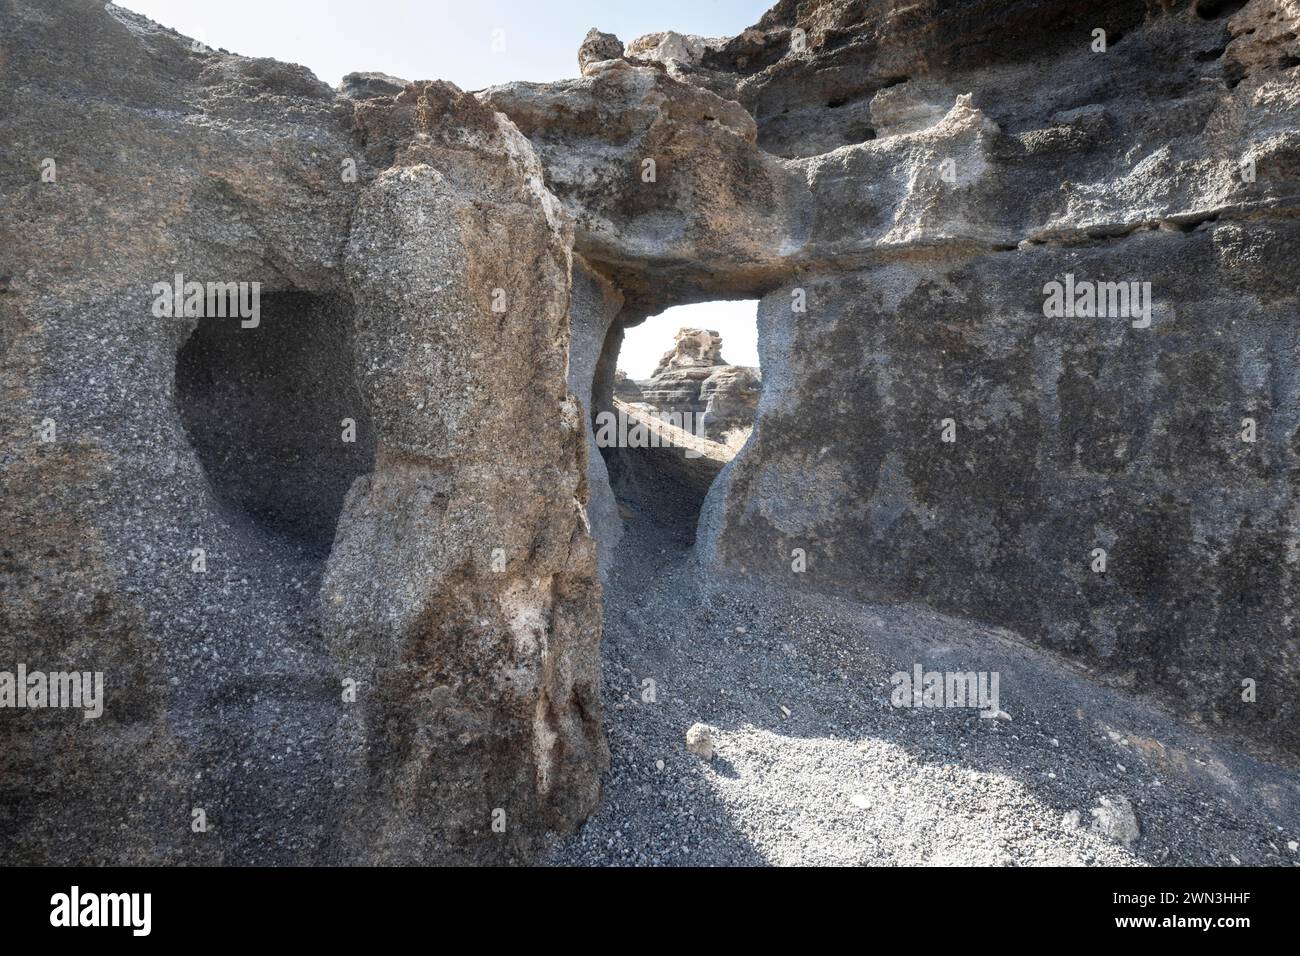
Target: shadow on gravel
[{"x": 815, "y": 765}]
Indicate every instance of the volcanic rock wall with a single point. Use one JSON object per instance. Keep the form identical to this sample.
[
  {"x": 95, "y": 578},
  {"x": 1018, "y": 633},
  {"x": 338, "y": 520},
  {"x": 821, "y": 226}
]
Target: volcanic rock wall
[
  {"x": 1118, "y": 483},
  {"x": 330, "y": 558},
  {"x": 913, "y": 188}
]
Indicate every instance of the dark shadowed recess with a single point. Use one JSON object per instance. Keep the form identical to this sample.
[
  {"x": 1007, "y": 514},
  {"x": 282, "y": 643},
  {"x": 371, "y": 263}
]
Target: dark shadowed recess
[{"x": 264, "y": 409}]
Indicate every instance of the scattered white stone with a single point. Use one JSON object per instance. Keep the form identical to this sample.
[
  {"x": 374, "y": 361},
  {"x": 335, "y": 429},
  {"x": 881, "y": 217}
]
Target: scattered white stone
[
  {"x": 699, "y": 741},
  {"x": 1003, "y": 715},
  {"x": 785, "y": 710},
  {"x": 1122, "y": 768},
  {"x": 1055, "y": 742},
  {"x": 740, "y": 630},
  {"x": 1114, "y": 819},
  {"x": 659, "y": 765},
  {"x": 1293, "y": 846}
]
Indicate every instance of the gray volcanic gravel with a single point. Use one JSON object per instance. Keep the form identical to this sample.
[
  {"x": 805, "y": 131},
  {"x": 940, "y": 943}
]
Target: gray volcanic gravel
[{"x": 813, "y": 765}]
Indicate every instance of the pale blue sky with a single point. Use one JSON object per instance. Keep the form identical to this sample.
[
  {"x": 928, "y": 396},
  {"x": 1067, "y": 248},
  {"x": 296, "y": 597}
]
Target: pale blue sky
[
  {"x": 438, "y": 39},
  {"x": 445, "y": 40}
]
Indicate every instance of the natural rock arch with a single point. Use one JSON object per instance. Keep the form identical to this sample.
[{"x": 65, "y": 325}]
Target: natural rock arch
[{"x": 898, "y": 188}]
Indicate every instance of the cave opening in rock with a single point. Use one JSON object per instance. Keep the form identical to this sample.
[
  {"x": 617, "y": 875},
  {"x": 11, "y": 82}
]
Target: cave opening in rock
[
  {"x": 684, "y": 395},
  {"x": 275, "y": 417}
]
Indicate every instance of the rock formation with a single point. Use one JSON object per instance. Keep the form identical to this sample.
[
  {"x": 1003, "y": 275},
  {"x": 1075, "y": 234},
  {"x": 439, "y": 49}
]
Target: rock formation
[
  {"x": 1121, "y": 491},
  {"x": 692, "y": 348},
  {"x": 1029, "y": 340},
  {"x": 627, "y": 389},
  {"x": 730, "y": 399},
  {"x": 693, "y": 380},
  {"x": 905, "y": 186},
  {"x": 332, "y": 560},
  {"x": 598, "y": 48},
  {"x": 460, "y": 590}
]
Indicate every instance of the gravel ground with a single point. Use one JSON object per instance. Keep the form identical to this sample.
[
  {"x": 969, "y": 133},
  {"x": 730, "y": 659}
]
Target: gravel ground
[{"x": 813, "y": 765}]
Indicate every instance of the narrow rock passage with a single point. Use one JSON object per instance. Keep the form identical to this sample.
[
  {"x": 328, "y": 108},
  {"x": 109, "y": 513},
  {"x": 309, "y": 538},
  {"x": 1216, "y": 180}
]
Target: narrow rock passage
[{"x": 846, "y": 778}]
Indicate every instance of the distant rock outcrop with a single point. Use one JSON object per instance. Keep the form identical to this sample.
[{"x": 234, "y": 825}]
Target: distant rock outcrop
[
  {"x": 626, "y": 388},
  {"x": 693, "y": 379},
  {"x": 730, "y": 399}
]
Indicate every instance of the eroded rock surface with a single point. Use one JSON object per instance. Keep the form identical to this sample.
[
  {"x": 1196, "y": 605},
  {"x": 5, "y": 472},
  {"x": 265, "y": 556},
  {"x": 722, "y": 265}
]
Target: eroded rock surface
[
  {"x": 1171, "y": 159},
  {"x": 461, "y": 587},
  {"x": 335, "y": 564},
  {"x": 917, "y": 177},
  {"x": 668, "y": 191},
  {"x": 122, "y": 553},
  {"x": 332, "y": 562}
]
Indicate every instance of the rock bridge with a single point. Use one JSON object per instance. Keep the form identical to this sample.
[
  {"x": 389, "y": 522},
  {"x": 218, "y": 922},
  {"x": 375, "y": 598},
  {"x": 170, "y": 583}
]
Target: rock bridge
[{"x": 393, "y": 643}]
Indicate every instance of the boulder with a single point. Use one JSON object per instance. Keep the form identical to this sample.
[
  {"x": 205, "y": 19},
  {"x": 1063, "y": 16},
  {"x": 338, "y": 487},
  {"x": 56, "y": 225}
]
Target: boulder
[
  {"x": 1113, "y": 818},
  {"x": 699, "y": 741},
  {"x": 366, "y": 85},
  {"x": 598, "y": 47}
]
